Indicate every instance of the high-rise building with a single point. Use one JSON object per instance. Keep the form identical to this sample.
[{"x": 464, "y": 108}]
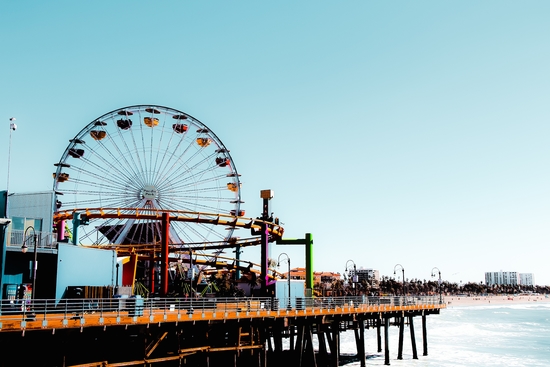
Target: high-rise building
[
  {"x": 526, "y": 279},
  {"x": 502, "y": 278}
]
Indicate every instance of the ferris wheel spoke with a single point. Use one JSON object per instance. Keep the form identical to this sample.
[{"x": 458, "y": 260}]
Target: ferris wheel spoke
[
  {"x": 172, "y": 161},
  {"x": 179, "y": 165},
  {"x": 188, "y": 184},
  {"x": 99, "y": 203},
  {"x": 195, "y": 179},
  {"x": 113, "y": 184},
  {"x": 91, "y": 184},
  {"x": 140, "y": 145},
  {"x": 136, "y": 149},
  {"x": 177, "y": 153},
  {"x": 165, "y": 152},
  {"x": 152, "y": 143},
  {"x": 121, "y": 134},
  {"x": 118, "y": 163},
  {"x": 109, "y": 167}
]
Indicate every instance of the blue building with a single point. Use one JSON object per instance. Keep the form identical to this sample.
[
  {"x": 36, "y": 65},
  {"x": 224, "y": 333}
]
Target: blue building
[{"x": 27, "y": 224}]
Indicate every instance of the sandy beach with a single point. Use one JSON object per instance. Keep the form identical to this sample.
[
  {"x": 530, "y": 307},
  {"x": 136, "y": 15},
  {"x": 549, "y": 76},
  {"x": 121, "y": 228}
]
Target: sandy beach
[{"x": 494, "y": 300}]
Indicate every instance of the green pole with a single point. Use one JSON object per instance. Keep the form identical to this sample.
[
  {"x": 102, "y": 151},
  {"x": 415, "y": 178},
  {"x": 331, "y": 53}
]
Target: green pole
[
  {"x": 308, "y": 243},
  {"x": 309, "y": 261},
  {"x": 76, "y": 223}
]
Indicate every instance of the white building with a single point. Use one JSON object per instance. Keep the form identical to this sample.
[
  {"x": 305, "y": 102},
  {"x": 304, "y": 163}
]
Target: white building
[
  {"x": 502, "y": 278},
  {"x": 527, "y": 279}
]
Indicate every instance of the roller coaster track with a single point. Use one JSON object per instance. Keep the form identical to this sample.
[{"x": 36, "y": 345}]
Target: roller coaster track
[{"x": 254, "y": 224}]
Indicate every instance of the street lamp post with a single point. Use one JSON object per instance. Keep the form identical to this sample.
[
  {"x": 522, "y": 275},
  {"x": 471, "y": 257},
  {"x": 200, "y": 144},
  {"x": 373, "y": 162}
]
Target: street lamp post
[
  {"x": 403, "y": 271},
  {"x": 354, "y": 278},
  {"x": 24, "y": 249},
  {"x": 288, "y": 276},
  {"x": 438, "y": 281},
  {"x": 13, "y": 127}
]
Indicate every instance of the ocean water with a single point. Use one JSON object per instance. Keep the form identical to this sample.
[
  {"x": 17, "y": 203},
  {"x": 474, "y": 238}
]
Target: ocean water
[{"x": 515, "y": 335}]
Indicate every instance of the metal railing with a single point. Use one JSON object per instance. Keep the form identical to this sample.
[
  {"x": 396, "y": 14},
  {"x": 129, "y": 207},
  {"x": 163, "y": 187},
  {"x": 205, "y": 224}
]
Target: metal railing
[
  {"x": 28, "y": 309},
  {"x": 16, "y": 237}
]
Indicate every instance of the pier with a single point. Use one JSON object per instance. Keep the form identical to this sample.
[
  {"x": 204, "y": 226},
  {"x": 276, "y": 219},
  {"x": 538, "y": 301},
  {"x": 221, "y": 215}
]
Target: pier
[
  {"x": 174, "y": 211},
  {"x": 204, "y": 331}
]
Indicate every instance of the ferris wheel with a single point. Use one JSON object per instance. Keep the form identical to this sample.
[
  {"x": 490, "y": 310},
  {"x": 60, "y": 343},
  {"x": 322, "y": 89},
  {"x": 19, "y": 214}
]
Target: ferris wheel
[{"x": 148, "y": 158}]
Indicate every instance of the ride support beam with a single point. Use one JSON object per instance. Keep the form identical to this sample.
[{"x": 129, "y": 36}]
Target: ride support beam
[
  {"x": 165, "y": 235},
  {"x": 152, "y": 273},
  {"x": 60, "y": 226},
  {"x": 265, "y": 260},
  {"x": 76, "y": 224}
]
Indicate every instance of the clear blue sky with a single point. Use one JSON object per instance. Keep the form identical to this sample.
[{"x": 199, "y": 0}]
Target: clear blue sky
[{"x": 410, "y": 132}]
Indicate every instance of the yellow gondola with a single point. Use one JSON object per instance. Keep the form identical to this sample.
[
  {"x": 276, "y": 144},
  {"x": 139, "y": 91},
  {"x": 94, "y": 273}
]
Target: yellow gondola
[
  {"x": 232, "y": 186},
  {"x": 204, "y": 142},
  {"x": 151, "y": 121}
]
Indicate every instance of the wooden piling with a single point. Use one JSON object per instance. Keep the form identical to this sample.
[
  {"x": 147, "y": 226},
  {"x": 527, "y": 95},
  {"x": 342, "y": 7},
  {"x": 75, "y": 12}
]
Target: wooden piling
[
  {"x": 413, "y": 341},
  {"x": 424, "y": 336},
  {"x": 386, "y": 341},
  {"x": 379, "y": 334},
  {"x": 401, "y": 328},
  {"x": 361, "y": 351}
]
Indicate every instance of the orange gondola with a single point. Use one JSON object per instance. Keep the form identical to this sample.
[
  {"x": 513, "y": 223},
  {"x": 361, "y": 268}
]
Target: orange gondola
[{"x": 98, "y": 134}]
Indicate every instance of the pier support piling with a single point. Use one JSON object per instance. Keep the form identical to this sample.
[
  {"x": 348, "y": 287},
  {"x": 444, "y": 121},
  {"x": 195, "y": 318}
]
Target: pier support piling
[
  {"x": 362, "y": 357},
  {"x": 401, "y": 329},
  {"x": 386, "y": 341},
  {"x": 424, "y": 336},
  {"x": 379, "y": 334},
  {"x": 413, "y": 340}
]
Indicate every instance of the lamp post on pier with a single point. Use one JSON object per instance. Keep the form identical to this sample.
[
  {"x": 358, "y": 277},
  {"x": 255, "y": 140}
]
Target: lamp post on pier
[
  {"x": 24, "y": 249},
  {"x": 354, "y": 277},
  {"x": 403, "y": 271},
  {"x": 288, "y": 275},
  {"x": 13, "y": 127},
  {"x": 438, "y": 281}
]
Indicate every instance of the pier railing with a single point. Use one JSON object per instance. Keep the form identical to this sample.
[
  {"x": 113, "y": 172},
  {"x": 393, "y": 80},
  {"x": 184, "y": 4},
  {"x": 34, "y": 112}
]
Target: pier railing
[
  {"x": 66, "y": 309},
  {"x": 44, "y": 240}
]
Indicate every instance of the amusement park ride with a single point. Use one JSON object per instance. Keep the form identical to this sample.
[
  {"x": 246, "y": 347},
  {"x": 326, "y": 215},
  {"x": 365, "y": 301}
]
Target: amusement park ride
[{"x": 159, "y": 187}]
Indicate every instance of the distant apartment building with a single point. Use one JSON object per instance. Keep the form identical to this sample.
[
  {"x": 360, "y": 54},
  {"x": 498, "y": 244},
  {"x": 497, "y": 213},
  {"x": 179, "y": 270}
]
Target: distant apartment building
[
  {"x": 526, "y": 279},
  {"x": 502, "y": 278}
]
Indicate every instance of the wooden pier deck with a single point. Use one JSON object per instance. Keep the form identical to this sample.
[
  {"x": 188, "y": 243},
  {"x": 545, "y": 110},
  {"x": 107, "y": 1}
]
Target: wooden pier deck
[{"x": 205, "y": 332}]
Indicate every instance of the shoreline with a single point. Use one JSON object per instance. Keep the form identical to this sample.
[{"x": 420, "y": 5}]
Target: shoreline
[{"x": 462, "y": 301}]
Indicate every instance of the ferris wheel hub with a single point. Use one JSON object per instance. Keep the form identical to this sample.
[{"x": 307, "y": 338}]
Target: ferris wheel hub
[{"x": 149, "y": 192}]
